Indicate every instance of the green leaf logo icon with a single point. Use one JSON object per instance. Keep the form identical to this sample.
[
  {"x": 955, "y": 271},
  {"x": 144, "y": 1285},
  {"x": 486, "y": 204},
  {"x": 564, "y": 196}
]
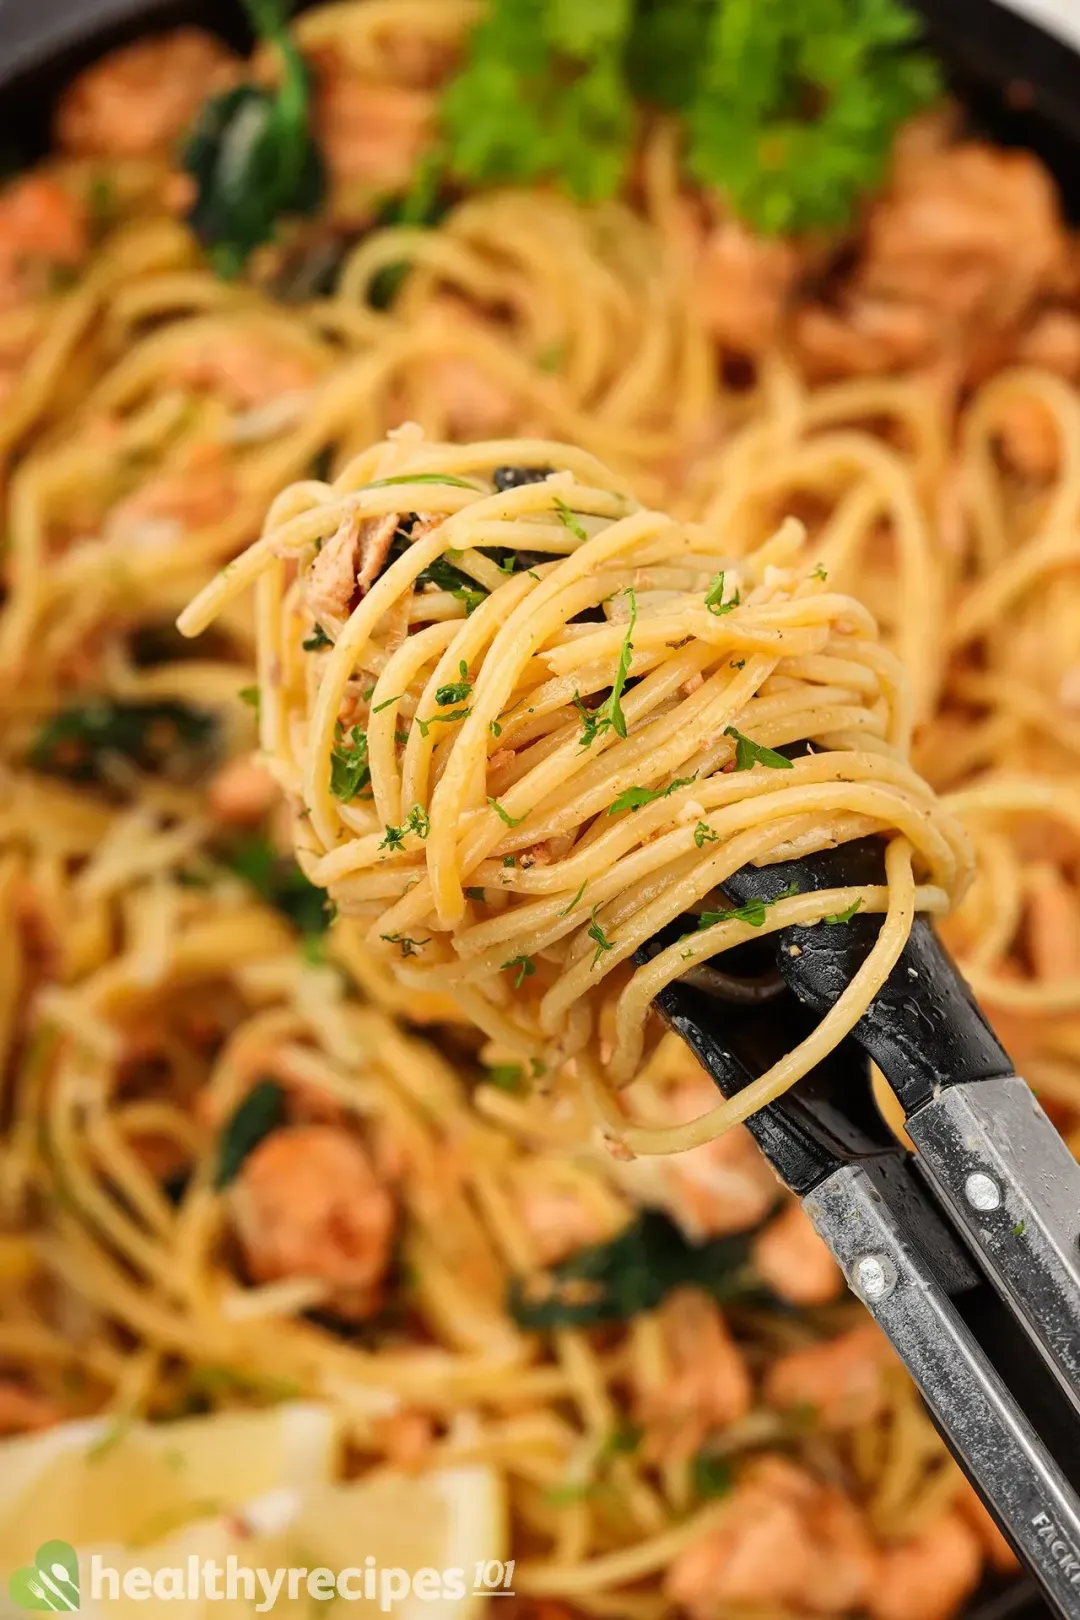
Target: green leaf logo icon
[{"x": 51, "y": 1582}]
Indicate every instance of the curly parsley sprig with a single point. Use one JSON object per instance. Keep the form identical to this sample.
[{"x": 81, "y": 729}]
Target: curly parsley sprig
[{"x": 790, "y": 106}]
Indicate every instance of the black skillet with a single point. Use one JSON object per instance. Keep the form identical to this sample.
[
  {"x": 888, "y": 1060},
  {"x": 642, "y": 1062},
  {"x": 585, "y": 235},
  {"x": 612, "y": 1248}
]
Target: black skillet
[{"x": 1021, "y": 87}]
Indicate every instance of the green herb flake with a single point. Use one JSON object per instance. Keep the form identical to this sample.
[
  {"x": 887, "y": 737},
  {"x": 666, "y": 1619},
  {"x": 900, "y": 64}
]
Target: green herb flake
[
  {"x": 714, "y": 597},
  {"x": 425, "y": 726},
  {"x": 568, "y": 520},
  {"x": 526, "y": 967},
  {"x": 845, "y": 915},
  {"x": 474, "y": 894},
  {"x": 504, "y": 815},
  {"x": 635, "y": 797},
  {"x": 455, "y": 691},
  {"x": 703, "y": 834},
  {"x": 349, "y": 767},
  {"x": 820, "y": 572},
  {"x": 596, "y": 933},
  {"x": 753, "y": 912},
  {"x": 1019, "y": 1229},
  {"x": 507, "y": 1077},
  {"x": 416, "y": 821},
  {"x": 749, "y": 753},
  {"x": 317, "y": 639},
  {"x": 251, "y": 696},
  {"x": 386, "y": 702},
  {"x": 566, "y": 910},
  {"x": 424, "y": 478}
]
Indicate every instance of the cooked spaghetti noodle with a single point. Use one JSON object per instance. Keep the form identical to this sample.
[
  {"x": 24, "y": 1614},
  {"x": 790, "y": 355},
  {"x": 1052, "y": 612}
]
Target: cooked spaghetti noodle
[{"x": 532, "y": 830}]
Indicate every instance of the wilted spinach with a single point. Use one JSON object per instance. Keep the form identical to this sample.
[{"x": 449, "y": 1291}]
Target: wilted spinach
[
  {"x": 279, "y": 881},
  {"x": 252, "y": 154},
  {"x": 634, "y": 1272},
  {"x": 167, "y": 737},
  {"x": 259, "y": 1113}
]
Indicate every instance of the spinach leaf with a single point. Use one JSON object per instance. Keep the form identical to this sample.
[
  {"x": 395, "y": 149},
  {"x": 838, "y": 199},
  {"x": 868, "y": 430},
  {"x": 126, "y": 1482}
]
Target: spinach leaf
[
  {"x": 252, "y": 154},
  {"x": 260, "y": 1112},
  {"x": 280, "y": 882},
  {"x": 167, "y": 737},
  {"x": 634, "y": 1272}
]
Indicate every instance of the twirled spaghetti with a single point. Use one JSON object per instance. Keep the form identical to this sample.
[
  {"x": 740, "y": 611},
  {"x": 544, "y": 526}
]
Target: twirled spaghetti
[{"x": 523, "y": 778}]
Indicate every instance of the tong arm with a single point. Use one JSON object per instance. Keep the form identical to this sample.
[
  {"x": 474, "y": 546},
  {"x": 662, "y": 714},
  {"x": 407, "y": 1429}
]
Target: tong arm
[
  {"x": 982, "y": 1423},
  {"x": 1013, "y": 1189}
]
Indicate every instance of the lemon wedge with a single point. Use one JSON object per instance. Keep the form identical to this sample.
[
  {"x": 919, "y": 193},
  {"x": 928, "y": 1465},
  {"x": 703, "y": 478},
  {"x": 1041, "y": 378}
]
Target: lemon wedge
[
  {"x": 451, "y": 1523},
  {"x": 101, "y": 1482}
]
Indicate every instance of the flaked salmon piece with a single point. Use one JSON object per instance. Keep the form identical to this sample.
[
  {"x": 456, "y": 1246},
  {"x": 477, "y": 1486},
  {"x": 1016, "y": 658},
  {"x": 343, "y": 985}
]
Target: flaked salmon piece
[{"x": 139, "y": 100}]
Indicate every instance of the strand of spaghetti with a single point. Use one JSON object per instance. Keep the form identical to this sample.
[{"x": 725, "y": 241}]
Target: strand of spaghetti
[{"x": 841, "y": 1018}]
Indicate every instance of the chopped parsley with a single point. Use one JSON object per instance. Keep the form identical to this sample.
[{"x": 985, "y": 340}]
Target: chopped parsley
[
  {"x": 568, "y": 520},
  {"x": 423, "y": 478},
  {"x": 349, "y": 768},
  {"x": 595, "y": 932},
  {"x": 441, "y": 720},
  {"x": 407, "y": 946},
  {"x": 753, "y": 912},
  {"x": 703, "y": 834},
  {"x": 495, "y": 728},
  {"x": 845, "y": 915},
  {"x": 456, "y": 691},
  {"x": 610, "y": 713},
  {"x": 504, "y": 815},
  {"x": 526, "y": 967},
  {"x": 737, "y": 663},
  {"x": 634, "y": 797},
  {"x": 416, "y": 822},
  {"x": 566, "y": 910},
  {"x": 820, "y": 572},
  {"x": 749, "y": 753},
  {"x": 386, "y": 702},
  {"x": 507, "y": 1076},
  {"x": 250, "y": 695},
  {"x": 714, "y": 597},
  {"x": 318, "y": 638}
]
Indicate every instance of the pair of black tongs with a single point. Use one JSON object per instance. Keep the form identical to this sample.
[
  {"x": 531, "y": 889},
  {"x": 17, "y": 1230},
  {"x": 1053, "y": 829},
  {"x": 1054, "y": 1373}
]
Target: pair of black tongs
[{"x": 967, "y": 1251}]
